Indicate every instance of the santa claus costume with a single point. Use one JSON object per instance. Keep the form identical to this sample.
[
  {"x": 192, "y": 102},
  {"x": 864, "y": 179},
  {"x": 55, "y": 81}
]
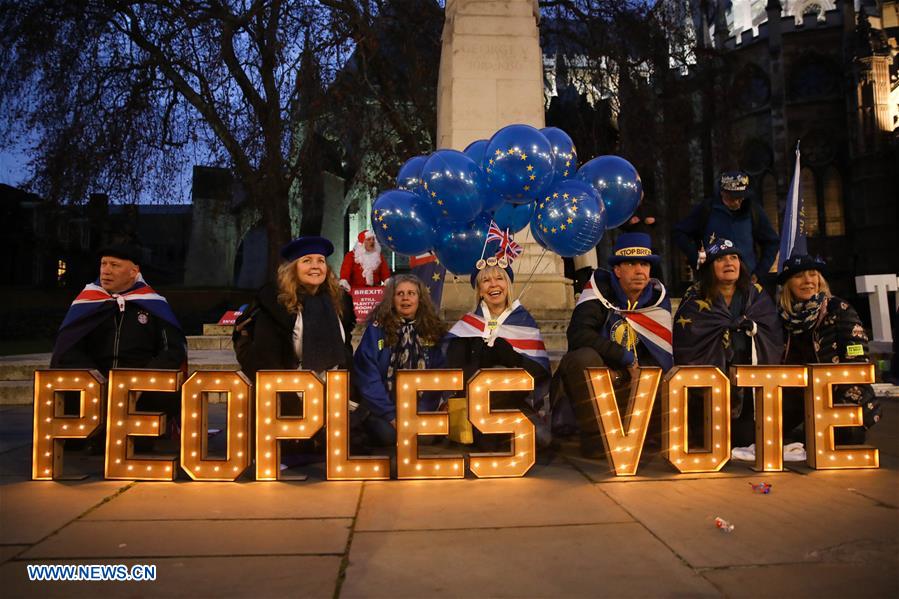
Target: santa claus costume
[{"x": 364, "y": 268}]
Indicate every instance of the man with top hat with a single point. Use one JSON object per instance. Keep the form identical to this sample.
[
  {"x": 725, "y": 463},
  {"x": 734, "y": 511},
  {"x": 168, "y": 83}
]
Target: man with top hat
[
  {"x": 730, "y": 215},
  {"x": 622, "y": 320},
  {"x": 364, "y": 266},
  {"x": 119, "y": 321}
]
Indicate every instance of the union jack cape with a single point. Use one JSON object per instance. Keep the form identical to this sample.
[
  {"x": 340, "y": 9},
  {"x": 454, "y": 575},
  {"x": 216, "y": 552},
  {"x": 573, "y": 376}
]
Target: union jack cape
[
  {"x": 515, "y": 325},
  {"x": 652, "y": 323},
  {"x": 94, "y": 304}
]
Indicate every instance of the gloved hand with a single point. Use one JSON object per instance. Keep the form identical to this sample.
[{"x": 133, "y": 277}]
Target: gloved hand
[
  {"x": 747, "y": 326},
  {"x": 505, "y": 354}
]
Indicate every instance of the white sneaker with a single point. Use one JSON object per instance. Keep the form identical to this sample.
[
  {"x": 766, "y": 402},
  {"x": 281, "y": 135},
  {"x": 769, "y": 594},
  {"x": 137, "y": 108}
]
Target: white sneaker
[
  {"x": 794, "y": 452},
  {"x": 746, "y": 454}
]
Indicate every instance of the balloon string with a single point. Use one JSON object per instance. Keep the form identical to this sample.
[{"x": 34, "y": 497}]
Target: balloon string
[{"x": 531, "y": 276}]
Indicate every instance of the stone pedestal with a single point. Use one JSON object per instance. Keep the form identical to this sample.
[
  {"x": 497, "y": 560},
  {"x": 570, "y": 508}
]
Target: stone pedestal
[{"x": 491, "y": 75}]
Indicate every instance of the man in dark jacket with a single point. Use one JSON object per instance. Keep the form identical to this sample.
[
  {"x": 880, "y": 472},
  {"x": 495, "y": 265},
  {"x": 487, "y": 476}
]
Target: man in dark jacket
[
  {"x": 730, "y": 216},
  {"x": 622, "y": 320},
  {"x": 119, "y": 321}
]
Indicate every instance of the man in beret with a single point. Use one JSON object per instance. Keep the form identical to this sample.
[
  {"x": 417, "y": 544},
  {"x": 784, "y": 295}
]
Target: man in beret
[
  {"x": 730, "y": 215},
  {"x": 119, "y": 321},
  {"x": 364, "y": 266}
]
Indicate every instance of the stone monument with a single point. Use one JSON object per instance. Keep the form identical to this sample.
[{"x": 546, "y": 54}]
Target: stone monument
[{"x": 491, "y": 75}]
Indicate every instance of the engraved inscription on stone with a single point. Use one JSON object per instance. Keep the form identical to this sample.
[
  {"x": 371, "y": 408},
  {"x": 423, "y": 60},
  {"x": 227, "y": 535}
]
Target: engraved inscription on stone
[{"x": 492, "y": 56}]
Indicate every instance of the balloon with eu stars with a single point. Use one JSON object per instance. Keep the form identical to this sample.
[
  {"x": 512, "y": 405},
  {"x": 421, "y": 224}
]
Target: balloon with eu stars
[
  {"x": 403, "y": 221},
  {"x": 570, "y": 218},
  {"x": 475, "y": 150},
  {"x": 518, "y": 163},
  {"x": 564, "y": 153},
  {"x": 453, "y": 185},
  {"x": 514, "y": 217},
  {"x": 618, "y": 182},
  {"x": 409, "y": 177},
  {"x": 458, "y": 245}
]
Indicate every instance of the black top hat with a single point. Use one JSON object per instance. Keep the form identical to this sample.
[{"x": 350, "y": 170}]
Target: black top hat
[
  {"x": 303, "y": 246},
  {"x": 631, "y": 247},
  {"x": 122, "y": 251},
  {"x": 797, "y": 264}
]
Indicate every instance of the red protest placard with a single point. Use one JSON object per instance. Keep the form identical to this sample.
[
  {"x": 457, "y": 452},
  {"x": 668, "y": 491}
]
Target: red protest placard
[
  {"x": 229, "y": 317},
  {"x": 365, "y": 299}
]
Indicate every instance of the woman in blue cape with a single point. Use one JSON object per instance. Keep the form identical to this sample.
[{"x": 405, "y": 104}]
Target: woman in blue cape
[
  {"x": 723, "y": 320},
  {"x": 403, "y": 333}
]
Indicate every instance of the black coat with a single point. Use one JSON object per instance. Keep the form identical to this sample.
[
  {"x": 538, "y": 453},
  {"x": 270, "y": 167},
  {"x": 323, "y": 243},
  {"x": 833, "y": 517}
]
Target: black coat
[
  {"x": 266, "y": 342},
  {"x": 134, "y": 338},
  {"x": 838, "y": 337},
  {"x": 587, "y": 326}
]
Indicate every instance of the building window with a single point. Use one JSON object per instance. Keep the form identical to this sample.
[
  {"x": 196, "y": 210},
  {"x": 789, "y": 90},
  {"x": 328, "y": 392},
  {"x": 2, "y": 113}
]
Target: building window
[
  {"x": 61, "y": 273},
  {"x": 834, "y": 217},
  {"x": 769, "y": 200},
  {"x": 809, "y": 202}
]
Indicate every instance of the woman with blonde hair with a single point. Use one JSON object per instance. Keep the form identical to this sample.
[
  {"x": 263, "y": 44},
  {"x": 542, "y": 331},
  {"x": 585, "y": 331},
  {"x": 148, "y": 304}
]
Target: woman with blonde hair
[
  {"x": 821, "y": 328},
  {"x": 303, "y": 321},
  {"x": 501, "y": 333},
  {"x": 403, "y": 333}
]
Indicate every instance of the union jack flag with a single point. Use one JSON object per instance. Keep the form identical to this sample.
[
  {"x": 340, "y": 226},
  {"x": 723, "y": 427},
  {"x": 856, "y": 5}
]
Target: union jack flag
[
  {"x": 508, "y": 248},
  {"x": 494, "y": 233}
]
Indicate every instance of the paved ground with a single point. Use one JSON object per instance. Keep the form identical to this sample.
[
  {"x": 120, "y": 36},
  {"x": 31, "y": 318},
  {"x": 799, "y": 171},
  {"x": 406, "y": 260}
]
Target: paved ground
[{"x": 568, "y": 529}]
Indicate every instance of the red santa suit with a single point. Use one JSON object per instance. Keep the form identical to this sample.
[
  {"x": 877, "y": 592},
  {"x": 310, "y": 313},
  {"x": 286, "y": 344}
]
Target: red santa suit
[{"x": 361, "y": 268}]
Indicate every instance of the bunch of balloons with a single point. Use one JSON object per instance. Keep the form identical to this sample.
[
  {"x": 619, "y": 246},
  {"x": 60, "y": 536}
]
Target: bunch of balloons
[{"x": 519, "y": 177}]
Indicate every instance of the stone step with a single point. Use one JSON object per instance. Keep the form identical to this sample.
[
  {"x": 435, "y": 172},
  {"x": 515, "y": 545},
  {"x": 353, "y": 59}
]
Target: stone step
[
  {"x": 216, "y": 342},
  {"x": 16, "y": 392},
  {"x": 218, "y": 329}
]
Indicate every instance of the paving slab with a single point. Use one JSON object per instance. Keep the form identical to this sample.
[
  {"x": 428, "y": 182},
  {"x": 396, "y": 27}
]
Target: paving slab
[
  {"x": 31, "y": 510},
  {"x": 553, "y": 561},
  {"x": 284, "y": 576},
  {"x": 808, "y": 580},
  {"x": 221, "y": 501},
  {"x": 799, "y": 519},
  {"x": 15, "y": 428},
  {"x": 7, "y": 551},
  {"x": 488, "y": 503},
  {"x": 198, "y": 538},
  {"x": 881, "y": 485}
]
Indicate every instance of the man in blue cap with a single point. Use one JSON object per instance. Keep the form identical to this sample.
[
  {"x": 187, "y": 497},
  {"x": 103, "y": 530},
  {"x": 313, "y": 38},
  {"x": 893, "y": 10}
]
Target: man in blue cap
[
  {"x": 730, "y": 215},
  {"x": 622, "y": 320}
]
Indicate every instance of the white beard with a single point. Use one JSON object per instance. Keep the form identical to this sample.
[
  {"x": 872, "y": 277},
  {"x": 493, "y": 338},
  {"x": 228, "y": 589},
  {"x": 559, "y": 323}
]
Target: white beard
[{"x": 369, "y": 261}]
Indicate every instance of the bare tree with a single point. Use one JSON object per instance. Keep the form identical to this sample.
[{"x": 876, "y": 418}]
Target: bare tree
[{"x": 120, "y": 95}]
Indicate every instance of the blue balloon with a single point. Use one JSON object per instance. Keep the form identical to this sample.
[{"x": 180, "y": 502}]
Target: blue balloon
[
  {"x": 618, "y": 182},
  {"x": 571, "y": 218},
  {"x": 403, "y": 221},
  {"x": 409, "y": 177},
  {"x": 453, "y": 184},
  {"x": 536, "y": 233},
  {"x": 564, "y": 153},
  {"x": 514, "y": 217},
  {"x": 492, "y": 202},
  {"x": 519, "y": 163},
  {"x": 475, "y": 150},
  {"x": 459, "y": 245}
]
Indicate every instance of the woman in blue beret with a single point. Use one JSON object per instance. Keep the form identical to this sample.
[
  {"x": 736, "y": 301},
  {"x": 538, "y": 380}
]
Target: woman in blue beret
[
  {"x": 821, "y": 328},
  {"x": 403, "y": 333},
  {"x": 302, "y": 321},
  {"x": 724, "y": 320}
]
